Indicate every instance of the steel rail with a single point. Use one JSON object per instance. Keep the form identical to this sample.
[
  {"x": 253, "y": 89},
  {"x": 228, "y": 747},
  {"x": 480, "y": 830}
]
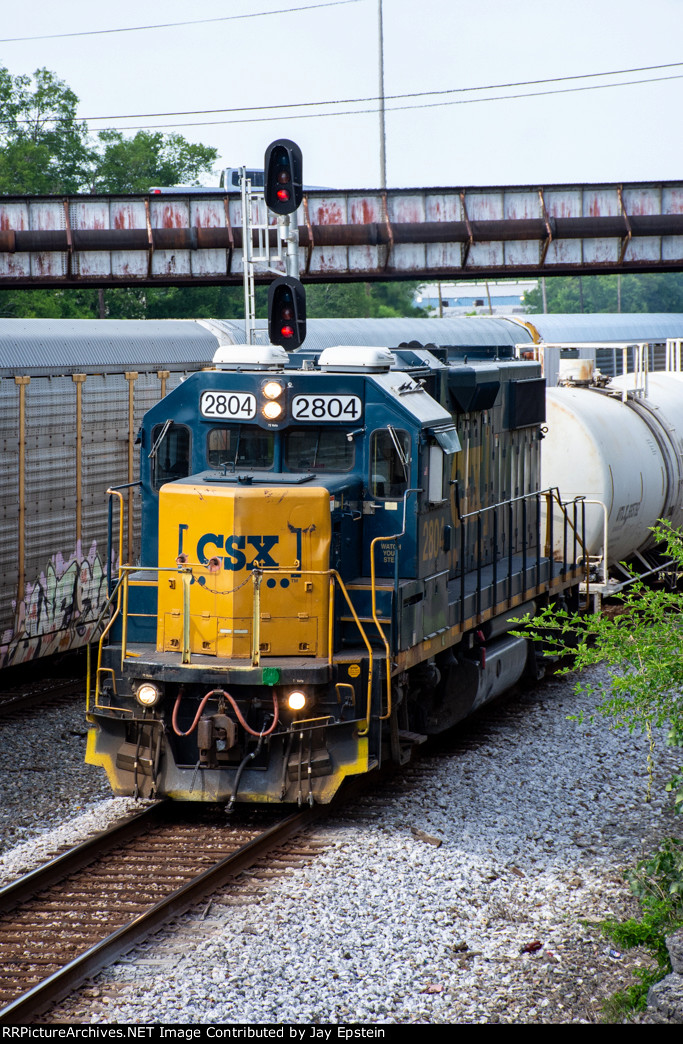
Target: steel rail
[
  {"x": 60, "y": 983},
  {"x": 75, "y": 859},
  {"x": 11, "y": 703}
]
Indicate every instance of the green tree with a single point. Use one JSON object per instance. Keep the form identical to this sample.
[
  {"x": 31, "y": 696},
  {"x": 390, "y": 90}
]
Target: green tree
[
  {"x": 646, "y": 292},
  {"x": 397, "y": 299},
  {"x": 49, "y": 304},
  {"x": 149, "y": 158},
  {"x": 44, "y": 148},
  {"x": 361, "y": 300},
  {"x": 323, "y": 300},
  {"x": 176, "y": 302}
]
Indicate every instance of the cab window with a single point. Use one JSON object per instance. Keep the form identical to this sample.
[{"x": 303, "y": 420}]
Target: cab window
[
  {"x": 170, "y": 453},
  {"x": 389, "y": 463},
  {"x": 240, "y": 446},
  {"x": 318, "y": 449}
]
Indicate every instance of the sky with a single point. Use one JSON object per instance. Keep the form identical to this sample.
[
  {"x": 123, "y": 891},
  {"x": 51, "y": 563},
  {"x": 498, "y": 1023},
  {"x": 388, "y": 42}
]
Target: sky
[{"x": 331, "y": 54}]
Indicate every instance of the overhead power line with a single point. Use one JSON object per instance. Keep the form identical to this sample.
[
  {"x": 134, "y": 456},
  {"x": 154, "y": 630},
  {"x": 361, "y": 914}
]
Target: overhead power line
[
  {"x": 172, "y": 25},
  {"x": 401, "y": 97},
  {"x": 275, "y": 110},
  {"x": 396, "y": 108}
]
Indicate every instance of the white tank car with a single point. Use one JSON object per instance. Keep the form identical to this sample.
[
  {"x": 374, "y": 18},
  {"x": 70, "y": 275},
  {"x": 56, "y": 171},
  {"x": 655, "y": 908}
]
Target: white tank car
[{"x": 626, "y": 453}]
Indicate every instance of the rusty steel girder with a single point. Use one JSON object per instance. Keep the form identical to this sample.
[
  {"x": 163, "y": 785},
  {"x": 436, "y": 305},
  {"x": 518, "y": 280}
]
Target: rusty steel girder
[{"x": 431, "y": 233}]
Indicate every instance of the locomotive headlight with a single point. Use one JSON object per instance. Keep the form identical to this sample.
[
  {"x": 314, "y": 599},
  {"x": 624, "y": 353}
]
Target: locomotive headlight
[
  {"x": 272, "y": 390},
  {"x": 296, "y": 700},
  {"x": 272, "y": 410},
  {"x": 147, "y": 694}
]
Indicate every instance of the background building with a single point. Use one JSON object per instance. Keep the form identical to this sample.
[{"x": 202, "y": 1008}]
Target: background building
[{"x": 491, "y": 297}]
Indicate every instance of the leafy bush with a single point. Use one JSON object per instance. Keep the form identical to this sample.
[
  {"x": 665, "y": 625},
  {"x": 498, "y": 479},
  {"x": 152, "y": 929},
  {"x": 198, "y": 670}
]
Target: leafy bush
[{"x": 657, "y": 883}]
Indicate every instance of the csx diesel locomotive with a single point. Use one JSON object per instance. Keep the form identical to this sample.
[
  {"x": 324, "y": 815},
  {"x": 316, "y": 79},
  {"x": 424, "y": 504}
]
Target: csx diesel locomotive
[{"x": 333, "y": 548}]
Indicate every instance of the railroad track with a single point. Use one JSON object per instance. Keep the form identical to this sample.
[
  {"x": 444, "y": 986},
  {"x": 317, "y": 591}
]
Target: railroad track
[
  {"x": 99, "y": 900},
  {"x": 67, "y": 919},
  {"x": 38, "y": 693}
]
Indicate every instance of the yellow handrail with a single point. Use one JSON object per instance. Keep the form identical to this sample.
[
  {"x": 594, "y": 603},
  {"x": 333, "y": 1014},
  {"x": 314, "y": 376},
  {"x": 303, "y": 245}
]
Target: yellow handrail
[
  {"x": 395, "y": 537},
  {"x": 186, "y": 575},
  {"x": 90, "y": 643},
  {"x": 116, "y": 493},
  {"x": 122, "y": 588},
  {"x": 366, "y": 728},
  {"x": 373, "y": 591},
  {"x": 334, "y": 575}
]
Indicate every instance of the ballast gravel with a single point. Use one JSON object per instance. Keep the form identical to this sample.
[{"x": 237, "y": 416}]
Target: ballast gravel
[
  {"x": 468, "y": 891},
  {"x": 45, "y": 784}
]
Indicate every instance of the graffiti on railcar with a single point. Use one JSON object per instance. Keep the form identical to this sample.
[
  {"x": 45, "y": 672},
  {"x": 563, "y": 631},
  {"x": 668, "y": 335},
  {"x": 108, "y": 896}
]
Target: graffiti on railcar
[{"x": 59, "y": 610}]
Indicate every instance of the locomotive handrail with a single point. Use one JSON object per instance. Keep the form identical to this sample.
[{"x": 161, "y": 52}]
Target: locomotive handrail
[
  {"x": 551, "y": 496},
  {"x": 185, "y": 571},
  {"x": 511, "y": 500},
  {"x": 334, "y": 575},
  {"x": 108, "y": 670},
  {"x": 395, "y": 537},
  {"x": 114, "y": 491},
  {"x": 100, "y": 618},
  {"x": 366, "y": 727},
  {"x": 552, "y": 492},
  {"x": 185, "y": 575},
  {"x": 111, "y": 492},
  {"x": 563, "y": 505}
]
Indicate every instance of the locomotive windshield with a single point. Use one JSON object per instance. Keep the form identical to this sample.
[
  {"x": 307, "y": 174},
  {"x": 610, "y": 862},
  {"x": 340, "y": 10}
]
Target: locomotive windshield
[
  {"x": 318, "y": 449},
  {"x": 170, "y": 453},
  {"x": 389, "y": 457},
  {"x": 240, "y": 446}
]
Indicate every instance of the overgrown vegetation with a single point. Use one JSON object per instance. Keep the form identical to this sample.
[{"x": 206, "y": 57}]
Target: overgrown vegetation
[
  {"x": 642, "y": 647},
  {"x": 632, "y": 292},
  {"x": 657, "y": 883}
]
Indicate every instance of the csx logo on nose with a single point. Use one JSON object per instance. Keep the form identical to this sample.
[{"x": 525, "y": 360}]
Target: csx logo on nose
[{"x": 236, "y": 548}]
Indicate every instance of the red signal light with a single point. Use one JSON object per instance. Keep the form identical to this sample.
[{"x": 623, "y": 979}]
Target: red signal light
[
  {"x": 287, "y": 331},
  {"x": 283, "y": 194}
]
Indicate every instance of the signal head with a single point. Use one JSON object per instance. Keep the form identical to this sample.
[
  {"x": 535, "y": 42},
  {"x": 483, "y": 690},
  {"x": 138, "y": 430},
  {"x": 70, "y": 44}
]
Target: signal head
[
  {"x": 283, "y": 173},
  {"x": 286, "y": 312}
]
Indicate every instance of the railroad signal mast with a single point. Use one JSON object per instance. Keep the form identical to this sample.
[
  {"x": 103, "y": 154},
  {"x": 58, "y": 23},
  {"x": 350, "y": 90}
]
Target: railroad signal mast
[{"x": 282, "y": 195}]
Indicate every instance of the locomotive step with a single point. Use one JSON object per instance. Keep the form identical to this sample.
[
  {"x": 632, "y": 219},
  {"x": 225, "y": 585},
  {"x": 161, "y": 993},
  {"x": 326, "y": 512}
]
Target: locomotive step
[{"x": 416, "y": 739}]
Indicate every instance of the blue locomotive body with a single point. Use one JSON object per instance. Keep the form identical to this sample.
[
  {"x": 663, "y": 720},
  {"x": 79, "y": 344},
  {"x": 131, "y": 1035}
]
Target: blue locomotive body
[{"x": 333, "y": 547}]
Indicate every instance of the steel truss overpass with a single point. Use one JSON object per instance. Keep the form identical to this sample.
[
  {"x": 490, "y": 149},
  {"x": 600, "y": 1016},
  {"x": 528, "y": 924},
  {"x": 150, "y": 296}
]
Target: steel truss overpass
[{"x": 433, "y": 234}]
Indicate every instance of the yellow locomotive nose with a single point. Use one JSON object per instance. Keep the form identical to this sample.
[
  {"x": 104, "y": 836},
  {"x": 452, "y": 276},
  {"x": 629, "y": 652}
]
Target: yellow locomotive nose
[{"x": 253, "y": 578}]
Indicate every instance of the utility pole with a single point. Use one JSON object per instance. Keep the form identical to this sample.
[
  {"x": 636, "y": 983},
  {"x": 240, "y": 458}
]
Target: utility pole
[{"x": 382, "y": 127}]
